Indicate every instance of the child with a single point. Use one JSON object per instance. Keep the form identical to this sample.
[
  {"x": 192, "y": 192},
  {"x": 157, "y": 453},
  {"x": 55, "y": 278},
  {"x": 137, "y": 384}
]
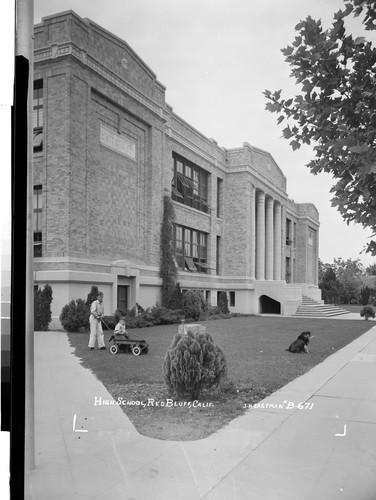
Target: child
[{"x": 121, "y": 329}]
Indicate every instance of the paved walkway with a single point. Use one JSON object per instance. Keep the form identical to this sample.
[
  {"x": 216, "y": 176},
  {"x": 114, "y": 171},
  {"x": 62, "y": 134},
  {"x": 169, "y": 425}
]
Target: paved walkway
[{"x": 326, "y": 451}]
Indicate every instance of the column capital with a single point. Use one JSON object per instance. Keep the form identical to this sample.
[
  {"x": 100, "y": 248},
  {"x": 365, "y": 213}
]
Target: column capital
[
  {"x": 269, "y": 201},
  {"x": 260, "y": 196}
]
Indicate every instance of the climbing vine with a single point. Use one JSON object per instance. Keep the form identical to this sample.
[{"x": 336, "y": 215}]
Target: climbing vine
[{"x": 168, "y": 271}]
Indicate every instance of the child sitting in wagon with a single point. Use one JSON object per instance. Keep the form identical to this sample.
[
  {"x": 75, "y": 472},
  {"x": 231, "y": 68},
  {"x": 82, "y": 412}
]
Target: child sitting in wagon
[{"x": 121, "y": 329}]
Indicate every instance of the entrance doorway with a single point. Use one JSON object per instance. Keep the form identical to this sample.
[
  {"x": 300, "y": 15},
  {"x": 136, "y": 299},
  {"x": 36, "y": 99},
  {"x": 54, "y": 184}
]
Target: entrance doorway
[
  {"x": 122, "y": 297},
  {"x": 269, "y": 305}
]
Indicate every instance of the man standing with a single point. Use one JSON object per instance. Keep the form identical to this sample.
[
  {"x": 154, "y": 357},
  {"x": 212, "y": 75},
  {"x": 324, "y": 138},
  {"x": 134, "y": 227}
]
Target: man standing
[{"x": 96, "y": 332}]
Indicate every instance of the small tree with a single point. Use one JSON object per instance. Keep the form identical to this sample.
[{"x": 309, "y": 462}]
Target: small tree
[
  {"x": 192, "y": 305},
  {"x": 367, "y": 312},
  {"x": 42, "y": 308},
  {"x": 176, "y": 301},
  {"x": 193, "y": 362},
  {"x": 365, "y": 294},
  {"x": 75, "y": 316},
  {"x": 223, "y": 303},
  {"x": 92, "y": 295}
]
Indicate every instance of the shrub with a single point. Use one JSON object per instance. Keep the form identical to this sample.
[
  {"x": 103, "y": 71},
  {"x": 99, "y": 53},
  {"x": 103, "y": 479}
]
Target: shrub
[
  {"x": 365, "y": 294},
  {"x": 75, "y": 316},
  {"x": 367, "y": 312},
  {"x": 176, "y": 301},
  {"x": 42, "y": 308},
  {"x": 193, "y": 362},
  {"x": 223, "y": 303},
  {"x": 92, "y": 295},
  {"x": 191, "y": 305},
  {"x": 109, "y": 322}
]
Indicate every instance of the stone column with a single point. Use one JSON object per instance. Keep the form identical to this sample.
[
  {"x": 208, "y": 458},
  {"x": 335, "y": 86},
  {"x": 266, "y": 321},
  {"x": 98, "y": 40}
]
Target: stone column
[
  {"x": 260, "y": 236},
  {"x": 283, "y": 265},
  {"x": 253, "y": 232},
  {"x": 269, "y": 239},
  {"x": 277, "y": 241}
]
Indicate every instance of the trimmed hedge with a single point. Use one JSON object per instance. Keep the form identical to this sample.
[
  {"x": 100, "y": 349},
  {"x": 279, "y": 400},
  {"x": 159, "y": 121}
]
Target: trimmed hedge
[
  {"x": 193, "y": 362},
  {"x": 42, "y": 308}
]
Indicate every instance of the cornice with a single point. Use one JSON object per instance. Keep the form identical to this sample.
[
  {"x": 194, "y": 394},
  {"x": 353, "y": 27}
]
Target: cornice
[{"x": 71, "y": 49}]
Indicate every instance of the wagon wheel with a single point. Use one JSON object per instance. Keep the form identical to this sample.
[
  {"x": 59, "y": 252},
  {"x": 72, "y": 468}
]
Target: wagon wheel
[
  {"x": 136, "y": 350},
  {"x": 114, "y": 349}
]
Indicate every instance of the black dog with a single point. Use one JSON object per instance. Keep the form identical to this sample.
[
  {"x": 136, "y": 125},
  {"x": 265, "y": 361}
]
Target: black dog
[{"x": 300, "y": 344}]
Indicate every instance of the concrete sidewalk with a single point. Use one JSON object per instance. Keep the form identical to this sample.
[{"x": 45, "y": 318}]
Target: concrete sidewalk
[{"x": 325, "y": 450}]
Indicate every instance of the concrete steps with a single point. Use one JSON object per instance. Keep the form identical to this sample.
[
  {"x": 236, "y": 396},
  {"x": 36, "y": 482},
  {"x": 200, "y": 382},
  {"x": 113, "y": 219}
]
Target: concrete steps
[{"x": 310, "y": 307}]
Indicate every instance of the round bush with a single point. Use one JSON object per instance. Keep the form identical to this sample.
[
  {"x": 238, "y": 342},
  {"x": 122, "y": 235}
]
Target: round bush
[
  {"x": 75, "y": 316},
  {"x": 191, "y": 305},
  {"x": 367, "y": 312},
  {"x": 193, "y": 362}
]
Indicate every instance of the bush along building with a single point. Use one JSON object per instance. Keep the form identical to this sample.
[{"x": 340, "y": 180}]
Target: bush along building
[{"x": 108, "y": 148}]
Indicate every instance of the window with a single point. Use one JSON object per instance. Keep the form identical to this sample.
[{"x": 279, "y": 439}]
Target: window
[
  {"x": 219, "y": 197},
  {"x": 38, "y": 115},
  {"x": 311, "y": 236},
  {"x": 288, "y": 232},
  {"x": 37, "y": 220},
  {"x": 231, "y": 297},
  {"x": 191, "y": 249},
  {"x": 218, "y": 255},
  {"x": 288, "y": 270},
  {"x": 190, "y": 184}
]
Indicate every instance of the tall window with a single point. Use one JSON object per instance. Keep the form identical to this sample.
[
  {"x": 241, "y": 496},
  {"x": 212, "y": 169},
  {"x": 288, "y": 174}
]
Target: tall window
[
  {"x": 38, "y": 115},
  {"x": 288, "y": 232},
  {"x": 191, "y": 249},
  {"x": 218, "y": 252},
  {"x": 37, "y": 220},
  {"x": 311, "y": 236},
  {"x": 190, "y": 184},
  {"x": 288, "y": 270},
  {"x": 219, "y": 196}
]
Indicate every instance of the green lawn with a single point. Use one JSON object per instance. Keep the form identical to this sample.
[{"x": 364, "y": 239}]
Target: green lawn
[
  {"x": 354, "y": 308},
  {"x": 258, "y": 364},
  {"x": 255, "y": 348}
]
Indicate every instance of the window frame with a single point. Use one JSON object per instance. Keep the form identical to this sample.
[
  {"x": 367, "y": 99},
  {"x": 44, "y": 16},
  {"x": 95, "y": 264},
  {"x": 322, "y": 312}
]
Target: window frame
[
  {"x": 37, "y": 219},
  {"x": 191, "y": 249},
  {"x": 38, "y": 118},
  {"x": 190, "y": 184}
]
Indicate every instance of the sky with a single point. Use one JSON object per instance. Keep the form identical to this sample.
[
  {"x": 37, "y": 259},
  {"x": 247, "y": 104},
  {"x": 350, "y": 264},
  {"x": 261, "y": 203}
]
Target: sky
[{"x": 215, "y": 58}]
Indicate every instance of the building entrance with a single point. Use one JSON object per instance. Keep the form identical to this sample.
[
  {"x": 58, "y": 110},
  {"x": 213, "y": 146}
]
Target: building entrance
[{"x": 269, "y": 305}]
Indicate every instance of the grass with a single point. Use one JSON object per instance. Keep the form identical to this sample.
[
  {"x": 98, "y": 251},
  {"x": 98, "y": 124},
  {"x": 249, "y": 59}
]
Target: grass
[
  {"x": 354, "y": 308},
  {"x": 258, "y": 364}
]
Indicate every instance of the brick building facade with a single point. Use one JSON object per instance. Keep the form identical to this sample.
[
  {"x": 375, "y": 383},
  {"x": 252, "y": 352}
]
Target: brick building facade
[{"x": 107, "y": 148}]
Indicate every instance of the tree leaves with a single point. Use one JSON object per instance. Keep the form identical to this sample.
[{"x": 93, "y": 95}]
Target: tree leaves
[{"x": 336, "y": 108}]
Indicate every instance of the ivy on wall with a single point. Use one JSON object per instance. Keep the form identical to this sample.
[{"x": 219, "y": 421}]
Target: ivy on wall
[{"x": 168, "y": 271}]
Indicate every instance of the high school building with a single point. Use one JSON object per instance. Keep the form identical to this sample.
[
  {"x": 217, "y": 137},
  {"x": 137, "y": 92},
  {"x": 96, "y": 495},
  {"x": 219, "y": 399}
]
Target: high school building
[{"x": 108, "y": 148}]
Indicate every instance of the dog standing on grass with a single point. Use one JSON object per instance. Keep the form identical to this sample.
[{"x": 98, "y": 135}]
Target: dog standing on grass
[{"x": 300, "y": 345}]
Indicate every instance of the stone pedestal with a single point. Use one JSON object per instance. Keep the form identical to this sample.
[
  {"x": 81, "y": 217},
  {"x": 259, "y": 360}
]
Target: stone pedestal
[{"x": 194, "y": 328}]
